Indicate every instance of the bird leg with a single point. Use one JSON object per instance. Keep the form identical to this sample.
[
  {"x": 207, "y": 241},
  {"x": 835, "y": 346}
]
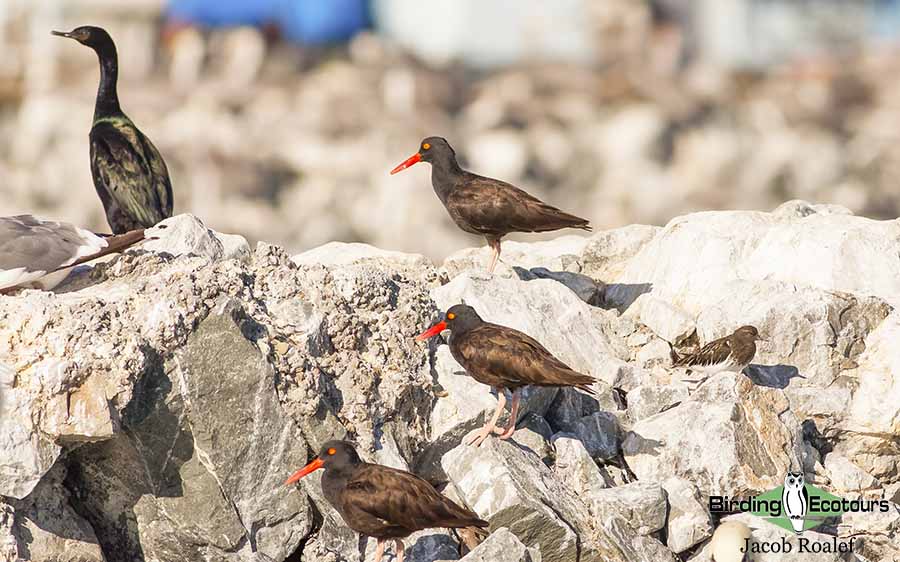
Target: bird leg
[
  {"x": 400, "y": 549},
  {"x": 379, "y": 550},
  {"x": 514, "y": 414},
  {"x": 477, "y": 437},
  {"x": 495, "y": 246}
]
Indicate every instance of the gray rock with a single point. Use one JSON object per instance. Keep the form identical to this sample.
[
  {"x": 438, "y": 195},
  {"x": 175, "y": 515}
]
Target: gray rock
[
  {"x": 641, "y": 504},
  {"x": 688, "y": 521},
  {"x": 600, "y": 434},
  {"x": 46, "y": 527},
  {"x": 512, "y": 488},
  {"x": 587, "y": 289},
  {"x": 534, "y": 433},
  {"x": 206, "y": 430},
  {"x": 502, "y": 546}
]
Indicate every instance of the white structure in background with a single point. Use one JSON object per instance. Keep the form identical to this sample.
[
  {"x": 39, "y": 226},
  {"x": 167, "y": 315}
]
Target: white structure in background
[
  {"x": 751, "y": 33},
  {"x": 489, "y": 34}
]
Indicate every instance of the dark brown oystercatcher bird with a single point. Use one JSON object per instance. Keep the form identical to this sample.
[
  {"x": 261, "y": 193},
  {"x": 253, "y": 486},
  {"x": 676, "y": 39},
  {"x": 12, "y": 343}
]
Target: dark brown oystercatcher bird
[
  {"x": 485, "y": 206},
  {"x": 129, "y": 174},
  {"x": 382, "y": 502},
  {"x": 731, "y": 353},
  {"x": 504, "y": 359},
  {"x": 41, "y": 253}
]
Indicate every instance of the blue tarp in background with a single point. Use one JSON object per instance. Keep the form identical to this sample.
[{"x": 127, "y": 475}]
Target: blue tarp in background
[{"x": 304, "y": 21}]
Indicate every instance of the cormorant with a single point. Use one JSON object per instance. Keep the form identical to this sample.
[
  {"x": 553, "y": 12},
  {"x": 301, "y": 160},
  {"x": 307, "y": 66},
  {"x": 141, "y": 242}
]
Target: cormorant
[{"x": 129, "y": 174}]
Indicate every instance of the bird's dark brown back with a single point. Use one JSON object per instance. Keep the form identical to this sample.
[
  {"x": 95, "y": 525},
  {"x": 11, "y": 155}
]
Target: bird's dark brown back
[
  {"x": 384, "y": 502},
  {"x": 503, "y": 357},
  {"x": 495, "y": 208}
]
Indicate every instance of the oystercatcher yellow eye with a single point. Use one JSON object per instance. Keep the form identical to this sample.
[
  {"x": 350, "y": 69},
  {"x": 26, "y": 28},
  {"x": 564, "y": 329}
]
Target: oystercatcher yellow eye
[
  {"x": 451, "y": 316},
  {"x": 426, "y": 146},
  {"x": 332, "y": 451}
]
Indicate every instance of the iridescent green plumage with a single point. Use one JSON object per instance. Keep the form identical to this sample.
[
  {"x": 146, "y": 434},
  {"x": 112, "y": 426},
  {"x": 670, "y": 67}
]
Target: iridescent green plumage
[{"x": 129, "y": 174}]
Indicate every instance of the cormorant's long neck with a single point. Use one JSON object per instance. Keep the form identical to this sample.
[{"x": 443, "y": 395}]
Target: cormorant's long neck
[
  {"x": 107, "y": 96},
  {"x": 445, "y": 173}
]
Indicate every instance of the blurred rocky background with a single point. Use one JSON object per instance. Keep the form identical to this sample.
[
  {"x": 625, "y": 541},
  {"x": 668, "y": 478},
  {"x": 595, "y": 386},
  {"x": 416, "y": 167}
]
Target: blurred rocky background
[{"x": 280, "y": 119}]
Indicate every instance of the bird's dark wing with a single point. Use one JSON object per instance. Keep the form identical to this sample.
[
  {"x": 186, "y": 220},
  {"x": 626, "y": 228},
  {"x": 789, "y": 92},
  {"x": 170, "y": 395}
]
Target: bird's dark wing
[
  {"x": 129, "y": 172},
  {"x": 713, "y": 353},
  {"x": 493, "y": 208},
  {"x": 401, "y": 499},
  {"x": 516, "y": 358}
]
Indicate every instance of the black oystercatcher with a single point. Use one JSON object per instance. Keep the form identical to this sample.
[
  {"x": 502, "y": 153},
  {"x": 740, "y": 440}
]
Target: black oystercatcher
[
  {"x": 382, "y": 502},
  {"x": 40, "y": 253},
  {"x": 731, "y": 353},
  {"x": 504, "y": 359},
  {"x": 130, "y": 176},
  {"x": 485, "y": 206}
]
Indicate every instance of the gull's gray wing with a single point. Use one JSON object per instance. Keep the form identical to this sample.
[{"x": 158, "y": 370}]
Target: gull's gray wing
[{"x": 31, "y": 247}]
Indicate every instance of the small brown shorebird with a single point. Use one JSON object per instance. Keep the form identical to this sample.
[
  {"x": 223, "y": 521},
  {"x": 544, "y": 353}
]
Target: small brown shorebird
[
  {"x": 731, "y": 353},
  {"x": 485, "y": 206},
  {"x": 383, "y": 502},
  {"x": 504, "y": 359},
  {"x": 40, "y": 253}
]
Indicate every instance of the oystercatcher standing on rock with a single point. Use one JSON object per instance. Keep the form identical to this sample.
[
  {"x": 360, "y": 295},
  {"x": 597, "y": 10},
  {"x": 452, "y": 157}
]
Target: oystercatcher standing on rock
[
  {"x": 731, "y": 353},
  {"x": 504, "y": 359},
  {"x": 130, "y": 176},
  {"x": 382, "y": 502},
  {"x": 485, "y": 206}
]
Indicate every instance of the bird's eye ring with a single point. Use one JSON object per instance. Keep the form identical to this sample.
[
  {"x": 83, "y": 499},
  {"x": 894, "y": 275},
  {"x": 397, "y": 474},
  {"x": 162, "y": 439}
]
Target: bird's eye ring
[
  {"x": 426, "y": 146},
  {"x": 332, "y": 451},
  {"x": 451, "y": 316}
]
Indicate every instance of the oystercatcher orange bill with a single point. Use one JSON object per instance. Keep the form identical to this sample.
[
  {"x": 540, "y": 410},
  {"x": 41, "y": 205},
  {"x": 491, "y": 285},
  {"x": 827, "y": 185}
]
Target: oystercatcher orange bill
[
  {"x": 407, "y": 163},
  {"x": 311, "y": 467},
  {"x": 432, "y": 331}
]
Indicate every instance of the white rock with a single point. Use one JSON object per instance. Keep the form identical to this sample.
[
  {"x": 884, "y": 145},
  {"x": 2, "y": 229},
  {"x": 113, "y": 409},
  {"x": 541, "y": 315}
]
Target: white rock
[
  {"x": 844, "y": 476},
  {"x": 688, "y": 522},
  {"x": 574, "y": 465},
  {"x": 648, "y": 400},
  {"x": 337, "y": 254},
  {"x": 833, "y": 252},
  {"x": 730, "y": 437},
  {"x": 608, "y": 252},
  {"x": 187, "y": 235},
  {"x": 559, "y": 254},
  {"x": 666, "y": 320}
]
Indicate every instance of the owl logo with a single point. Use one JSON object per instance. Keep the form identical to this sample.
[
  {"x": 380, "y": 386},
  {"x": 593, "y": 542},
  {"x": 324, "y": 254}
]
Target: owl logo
[{"x": 795, "y": 500}]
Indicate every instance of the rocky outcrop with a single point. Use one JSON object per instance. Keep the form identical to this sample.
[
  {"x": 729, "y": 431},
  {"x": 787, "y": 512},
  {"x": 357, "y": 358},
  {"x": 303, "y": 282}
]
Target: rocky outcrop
[{"x": 154, "y": 404}]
